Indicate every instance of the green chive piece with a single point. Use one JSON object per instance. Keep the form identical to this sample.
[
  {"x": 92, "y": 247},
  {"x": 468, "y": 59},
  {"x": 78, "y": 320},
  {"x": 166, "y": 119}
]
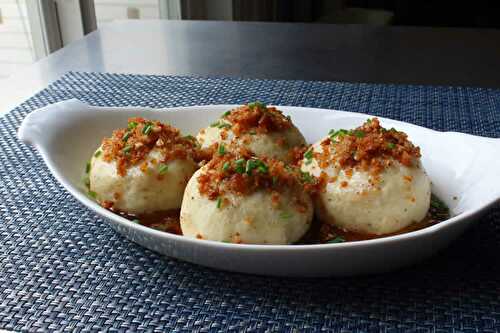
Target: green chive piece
[
  {"x": 219, "y": 202},
  {"x": 240, "y": 165},
  {"x": 87, "y": 167},
  {"x": 98, "y": 153},
  {"x": 126, "y": 136},
  {"x": 163, "y": 169},
  {"x": 127, "y": 149},
  {"x": 189, "y": 137},
  {"x": 225, "y": 167},
  {"x": 368, "y": 121},
  {"x": 251, "y": 164},
  {"x": 285, "y": 215},
  {"x": 391, "y": 145},
  {"x": 252, "y": 132},
  {"x": 221, "y": 150},
  {"x": 132, "y": 125},
  {"x": 339, "y": 133},
  {"x": 147, "y": 129},
  {"x": 262, "y": 167},
  {"x": 338, "y": 239},
  {"x": 224, "y": 125},
  {"x": 92, "y": 194},
  {"x": 227, "y": 113},
  {"x": 308, "y": 155},
  {"x": 86, "y": 181},
  {"x": 216, "y": 124},
  {"x": 358, "y": 133},
  {"x": 306, "y": 177},
  {"x": 257, "y": 104}
]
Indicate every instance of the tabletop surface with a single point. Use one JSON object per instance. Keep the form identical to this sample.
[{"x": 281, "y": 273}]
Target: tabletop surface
[{"x": 354, "y": 53}]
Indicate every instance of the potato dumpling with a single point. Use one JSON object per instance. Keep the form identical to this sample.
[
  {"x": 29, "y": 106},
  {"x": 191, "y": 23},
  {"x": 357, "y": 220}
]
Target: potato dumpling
[
  {"x": 263, "y": 130},
  {"x": 373, "y": 180},
  {"x": 143, "y": 169},
  {"x": 244, "y": 199}
]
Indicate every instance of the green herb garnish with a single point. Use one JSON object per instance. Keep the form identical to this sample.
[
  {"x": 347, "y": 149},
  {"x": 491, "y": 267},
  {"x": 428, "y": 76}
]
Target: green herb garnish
[
  {"x": 132, "y": 125},
  {"x": 285, "y": 215},
  {"x": 87, "y": 167},
  {"x": 240, "y": 166},
  {"x": 308, "y": 155},
  {"x": 338, "y": 239},
  {"x": 391, "y": 145},
  {"x": 358, "y": 133},
  {"x": 226, "y": 166},
  {"x": 127, "y": 149},
  {"x": 221, "y": 150},
  {"x": 256, "y": 164},
  {"x": 163, "y": 169},
  {"x": 257, "y": 104},
  {"x": 189, "y": 137},
  {"x": 219, "y": 202},
  {"x": 92, "y": 194},
  {"x": 341, "y": 132},
  {"x": 86, "y": 181},
  {"x": 126, "y": 136},
  {"x": 147, "y": 129},
  {"x": 227, "y": 113},
  {"x": 306, "y": 177},
  {"x": 98, "y": 153}
]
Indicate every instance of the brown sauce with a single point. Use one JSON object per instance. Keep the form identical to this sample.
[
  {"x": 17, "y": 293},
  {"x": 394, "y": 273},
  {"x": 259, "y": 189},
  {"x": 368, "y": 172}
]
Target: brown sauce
[{"x": 169, "y": 221}]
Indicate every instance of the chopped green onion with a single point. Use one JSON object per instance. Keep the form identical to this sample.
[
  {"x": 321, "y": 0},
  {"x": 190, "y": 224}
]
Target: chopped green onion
[
  {"x": 250, "y": 166},
  {"x": 262, "y": 167},
  {"x": 98, "y": 153},
  {"x": 127, "y": 149},
  {"x": 92, "y": 194},
  {"x": 338, "y": 239},
  {"x": 257, "y": 104},
  {"x": 308, "y": 156},
  {"x": 341, "y": 132},
  {"x": 358, "y": 133},
  {"x": 285, "y": 215},
  {"x": 126, "y": 136},
  {"x": 147, "y": 129},
  {"x": 163, "y": 169},
  {"x": 189, "y": 137},
  {"x": 87, "y": 167},
  {"x": 306, "y": 177},
  {"x": 391, "y": 145},
  {"x": 240, "y": 165},
  {"x": 252, "y": 132},
  {"x": 219, "y": 202},
  {"x": 225, "y": 125},
  {"x": 227, "y": 113},
  {"x": 132, "y": 125},
  {"x": 221, "y": 150},
  {"x": 216, "y": 124},
  {"x": 368, "y": 121},
  {"x": 225, "y": 167}
]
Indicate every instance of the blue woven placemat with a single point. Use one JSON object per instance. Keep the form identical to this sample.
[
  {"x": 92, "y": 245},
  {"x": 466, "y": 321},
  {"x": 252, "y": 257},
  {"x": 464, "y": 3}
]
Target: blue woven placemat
[{"x": 63, "y": 269}]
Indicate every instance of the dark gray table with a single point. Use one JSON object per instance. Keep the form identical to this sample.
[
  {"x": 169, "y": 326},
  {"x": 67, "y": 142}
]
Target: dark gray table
[{"x": 436, "y": 56}]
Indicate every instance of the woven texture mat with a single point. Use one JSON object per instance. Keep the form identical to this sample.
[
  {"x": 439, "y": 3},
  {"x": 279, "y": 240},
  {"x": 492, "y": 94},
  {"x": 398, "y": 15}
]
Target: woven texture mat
[{"x": 63, "y": 269}]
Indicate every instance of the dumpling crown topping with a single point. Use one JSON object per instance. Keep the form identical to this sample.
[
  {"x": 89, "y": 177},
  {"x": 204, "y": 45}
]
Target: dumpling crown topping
[
  {"x": 239, "y": 172},
  {"x": 255, "y": 117},
  {"x": 129, "y": 146},
  {"x": 369, "y": 147}
]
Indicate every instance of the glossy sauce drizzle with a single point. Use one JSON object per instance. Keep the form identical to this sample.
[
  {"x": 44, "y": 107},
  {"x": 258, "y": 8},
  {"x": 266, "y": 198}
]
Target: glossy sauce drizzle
[{"x": 169, "y": 221}]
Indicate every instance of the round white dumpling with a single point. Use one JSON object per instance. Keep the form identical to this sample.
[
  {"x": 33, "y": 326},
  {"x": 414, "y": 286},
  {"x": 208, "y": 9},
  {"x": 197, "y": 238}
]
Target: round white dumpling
[
  {"x": 249, "y": 219},
  {"x": 146, "y": 187},
  {"x": 272, "y": 144},
  {"x": 357, "y": 201}
]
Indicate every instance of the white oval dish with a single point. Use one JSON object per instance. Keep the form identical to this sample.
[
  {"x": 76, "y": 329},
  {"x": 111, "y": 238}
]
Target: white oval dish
[{"x": 463, "y": 168}]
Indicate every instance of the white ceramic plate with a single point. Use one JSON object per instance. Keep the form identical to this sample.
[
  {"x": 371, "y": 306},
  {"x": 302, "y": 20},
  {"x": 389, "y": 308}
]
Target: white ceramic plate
[{"x": 464, "y": 170}]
